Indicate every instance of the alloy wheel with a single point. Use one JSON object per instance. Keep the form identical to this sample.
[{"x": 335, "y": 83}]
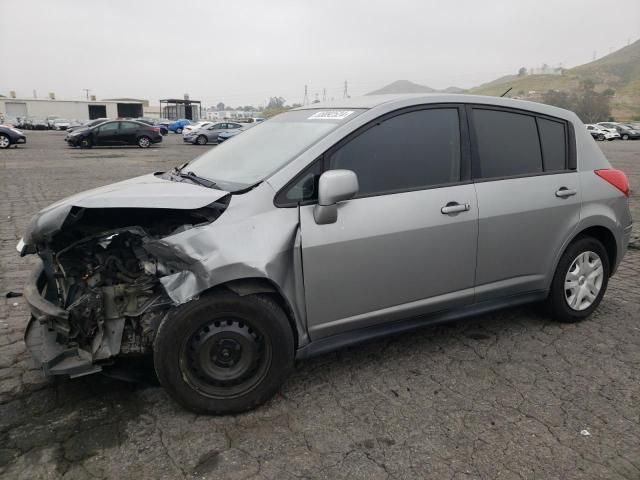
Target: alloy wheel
[
  {"x": 144, "y": 142},
  {"x": 4, "y": 141},
  {"x": 583, "y": 281}
]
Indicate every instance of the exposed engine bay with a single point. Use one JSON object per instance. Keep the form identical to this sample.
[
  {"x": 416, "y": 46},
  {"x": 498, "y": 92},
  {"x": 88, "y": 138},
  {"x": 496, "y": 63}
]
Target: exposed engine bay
[{"x": 99, "y": 270}]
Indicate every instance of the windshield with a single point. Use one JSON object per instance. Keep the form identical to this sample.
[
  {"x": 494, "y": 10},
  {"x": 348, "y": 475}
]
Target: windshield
[{"x": 261, "y": 150}]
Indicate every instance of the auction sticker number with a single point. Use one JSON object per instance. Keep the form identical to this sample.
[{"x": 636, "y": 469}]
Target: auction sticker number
[{"x": 331, "y": 115}]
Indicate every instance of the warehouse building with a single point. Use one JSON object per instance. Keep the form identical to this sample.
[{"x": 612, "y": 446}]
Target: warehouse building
[{"x": 12, "y": 108}]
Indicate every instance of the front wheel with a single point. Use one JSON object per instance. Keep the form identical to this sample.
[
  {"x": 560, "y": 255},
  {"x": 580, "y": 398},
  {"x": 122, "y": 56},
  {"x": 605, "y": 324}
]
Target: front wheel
[
  {"x": 85, "y": 143},
  {"x": 601, "y": 138},
  {"x": 144, "y": 142},
  {"x": 625, "y": 137},
  {"x": 178, "y": 130},
  {"x": 201, "y": 140},
  {"x": 5, "y": 141},
  {"x": 224, "y": 353},
  {"x": 580, "y": 281}
]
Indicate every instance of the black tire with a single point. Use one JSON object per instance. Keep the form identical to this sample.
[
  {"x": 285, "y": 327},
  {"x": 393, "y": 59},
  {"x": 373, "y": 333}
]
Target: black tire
[
  {"x": 601, "y": 138},
  {"x": 85, "y": 143},
  {"x": 625, "y": 137},
  {"x": 5, "y": 141},
  {"x": 144, "y": 142},
  {"x": 202, "y": 140},
  {"x": 558, "y": 305},
  {"x": 178, "y": 130},
  {"x": 193, "y": 343}
]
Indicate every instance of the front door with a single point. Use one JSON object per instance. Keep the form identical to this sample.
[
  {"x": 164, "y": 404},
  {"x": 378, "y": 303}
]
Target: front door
[
  {"x": 406, "y": 245},
  {"x": 106, "y": 134},
  {"x": 528, "y": 198}
]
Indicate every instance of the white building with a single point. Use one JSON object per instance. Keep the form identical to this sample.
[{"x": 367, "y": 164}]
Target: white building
[{"x": 13, "y": 108}]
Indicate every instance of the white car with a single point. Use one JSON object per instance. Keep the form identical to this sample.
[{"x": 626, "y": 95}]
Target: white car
[
  {"x": 194, "y": 126},
  {"x": 598, "y": 132},
  {"x": 61, "y": 124}
]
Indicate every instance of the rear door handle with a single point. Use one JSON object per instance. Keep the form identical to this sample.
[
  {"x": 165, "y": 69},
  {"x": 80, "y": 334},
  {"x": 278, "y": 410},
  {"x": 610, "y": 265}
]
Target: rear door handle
[
  {"x": 455, "y": 207},
  {"x": 564, "y": 192}
]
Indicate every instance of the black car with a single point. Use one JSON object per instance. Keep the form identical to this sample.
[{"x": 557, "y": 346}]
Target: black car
[
  {"x": 164, "y": 130},
  {"x": 628, "y": 132},
  {"x": 10, "y": 136},
  {"x": 115, "y": 133}
]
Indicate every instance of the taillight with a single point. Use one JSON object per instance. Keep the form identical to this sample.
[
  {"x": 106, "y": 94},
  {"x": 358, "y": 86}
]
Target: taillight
[
  {"x": 156, "y": 129},
  {"x": 617, "y": 178}
]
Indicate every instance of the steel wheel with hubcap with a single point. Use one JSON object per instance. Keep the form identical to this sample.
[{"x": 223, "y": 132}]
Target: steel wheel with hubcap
[
  {"x": 580, "y": 280},
  {"x": 223, "y": 352},
  {"x": 625, "y": 137},
  {"x": 144, "y": 142},
  {"x": 5, "y": 141},
  {"x": 583, "y": 281}
]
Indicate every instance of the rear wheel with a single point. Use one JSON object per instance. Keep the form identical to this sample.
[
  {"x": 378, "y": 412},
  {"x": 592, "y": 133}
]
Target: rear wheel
[
  {"x": 5, "y": 141},
  {"x": 144, "y": 142},
  {"x": 580, "y": 280},
  {"x": 224, "y": 353},
  {"x": 201, "y": 140}
]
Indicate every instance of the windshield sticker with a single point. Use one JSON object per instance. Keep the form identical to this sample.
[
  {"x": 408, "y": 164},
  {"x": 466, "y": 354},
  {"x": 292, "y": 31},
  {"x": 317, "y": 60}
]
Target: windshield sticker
[{"x": 331, "y": 115}]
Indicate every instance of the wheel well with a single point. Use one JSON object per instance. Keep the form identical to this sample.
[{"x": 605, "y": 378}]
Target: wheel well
[
  {"x": 264, "y": 286},
  {"x": 607, "y": 239}
]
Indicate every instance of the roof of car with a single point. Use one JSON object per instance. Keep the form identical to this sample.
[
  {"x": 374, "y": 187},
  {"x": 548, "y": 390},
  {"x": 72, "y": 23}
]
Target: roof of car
[{"x": 372, "y": 101}]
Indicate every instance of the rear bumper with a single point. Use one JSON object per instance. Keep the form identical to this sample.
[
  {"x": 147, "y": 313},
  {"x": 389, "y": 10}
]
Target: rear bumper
[{"x": 47, "y": 324}]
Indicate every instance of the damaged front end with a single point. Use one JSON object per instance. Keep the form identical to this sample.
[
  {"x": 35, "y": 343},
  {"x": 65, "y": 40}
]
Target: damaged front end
[{"x": 96, "y": 291}]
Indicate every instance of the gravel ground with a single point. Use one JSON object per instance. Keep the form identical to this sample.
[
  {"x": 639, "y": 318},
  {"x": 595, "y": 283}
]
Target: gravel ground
[{"x": 507, "y": 395}]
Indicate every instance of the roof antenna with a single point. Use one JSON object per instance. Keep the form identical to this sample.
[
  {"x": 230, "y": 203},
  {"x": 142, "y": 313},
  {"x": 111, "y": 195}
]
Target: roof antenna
[{"x": 510, "y": 88}]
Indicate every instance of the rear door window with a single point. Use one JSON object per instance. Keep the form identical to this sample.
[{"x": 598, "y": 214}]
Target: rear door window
[{"x": 507, "y": 144}]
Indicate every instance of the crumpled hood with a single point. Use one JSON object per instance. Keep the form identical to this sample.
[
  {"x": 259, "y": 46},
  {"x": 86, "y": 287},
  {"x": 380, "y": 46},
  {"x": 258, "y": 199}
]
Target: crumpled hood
[{"x": 147, "y": 191}]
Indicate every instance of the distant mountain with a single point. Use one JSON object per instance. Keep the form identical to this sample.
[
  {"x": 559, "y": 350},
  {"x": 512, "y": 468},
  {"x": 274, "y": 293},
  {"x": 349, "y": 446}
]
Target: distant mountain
[
  {"x": 402, "y": 86},
  {"x": 405, "y": 86},
  {"x": 619, "y": 71}
]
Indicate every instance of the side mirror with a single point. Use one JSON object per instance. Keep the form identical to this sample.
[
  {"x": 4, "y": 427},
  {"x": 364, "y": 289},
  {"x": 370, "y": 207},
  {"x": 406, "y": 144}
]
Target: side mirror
[{"x": 334, "y": 186}]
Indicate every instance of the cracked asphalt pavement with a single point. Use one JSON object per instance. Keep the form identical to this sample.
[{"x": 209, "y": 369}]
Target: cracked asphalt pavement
[{"x": 505, "y": 395}]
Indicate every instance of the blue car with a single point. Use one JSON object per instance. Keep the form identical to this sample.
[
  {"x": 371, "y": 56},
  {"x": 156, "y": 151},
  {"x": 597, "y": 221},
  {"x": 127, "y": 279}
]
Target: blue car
[{"x": 178, "y": 125}]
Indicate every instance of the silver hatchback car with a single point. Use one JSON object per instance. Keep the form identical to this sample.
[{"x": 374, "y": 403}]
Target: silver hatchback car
[{"x": 326, "y": 226}]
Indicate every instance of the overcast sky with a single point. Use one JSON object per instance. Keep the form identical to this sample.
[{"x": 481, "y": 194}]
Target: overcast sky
[{"x": 243, "y": 51}]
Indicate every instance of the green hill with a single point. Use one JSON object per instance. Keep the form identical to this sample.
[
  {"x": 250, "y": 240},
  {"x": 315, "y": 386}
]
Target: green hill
[{"x": 619, "y": 71}]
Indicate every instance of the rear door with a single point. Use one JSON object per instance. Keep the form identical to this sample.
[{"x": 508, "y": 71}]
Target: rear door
[
  {"x": 397, "y": 250},
  {"x": 106, "y": 134},
  {"x": 128, "y": 133},
  {"x": 528, "y": 198}
]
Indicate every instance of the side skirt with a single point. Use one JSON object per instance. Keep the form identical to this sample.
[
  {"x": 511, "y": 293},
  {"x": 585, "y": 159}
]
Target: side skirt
[{"x": 347, "y": 339}]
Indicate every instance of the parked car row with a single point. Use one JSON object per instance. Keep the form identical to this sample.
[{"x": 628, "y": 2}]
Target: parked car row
[{"x": 613, "y": 130}]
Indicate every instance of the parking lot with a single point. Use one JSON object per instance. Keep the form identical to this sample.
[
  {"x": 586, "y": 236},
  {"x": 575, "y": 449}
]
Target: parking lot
[{"x": 506, "y": 395}]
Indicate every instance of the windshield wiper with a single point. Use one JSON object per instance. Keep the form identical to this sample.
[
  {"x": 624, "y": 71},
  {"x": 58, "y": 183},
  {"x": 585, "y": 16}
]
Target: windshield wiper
[{"x": 177, "y": 172}]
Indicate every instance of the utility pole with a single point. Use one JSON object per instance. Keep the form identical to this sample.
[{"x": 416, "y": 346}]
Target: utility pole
[
  {"x": 316, "y": 100},
  {"x": 324, "y": 94},
  {"x": 306, "y": 96},
  {"x": 345, "y": 93},
  {"x": 86, "y": 90}
]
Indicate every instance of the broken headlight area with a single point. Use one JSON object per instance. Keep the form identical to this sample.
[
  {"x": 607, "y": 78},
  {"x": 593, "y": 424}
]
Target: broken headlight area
[{"x": 97, "y": 293}]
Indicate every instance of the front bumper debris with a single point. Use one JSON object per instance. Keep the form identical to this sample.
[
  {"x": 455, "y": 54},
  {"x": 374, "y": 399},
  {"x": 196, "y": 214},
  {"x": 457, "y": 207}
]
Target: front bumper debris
[{"x": 46, "y": 323}]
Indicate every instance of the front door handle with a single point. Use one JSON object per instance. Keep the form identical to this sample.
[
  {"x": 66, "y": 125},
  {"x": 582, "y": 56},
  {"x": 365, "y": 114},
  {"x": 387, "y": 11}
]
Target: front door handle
[
  {"x": 564, "y": 192},
  {"x": 455, "y": 207}
]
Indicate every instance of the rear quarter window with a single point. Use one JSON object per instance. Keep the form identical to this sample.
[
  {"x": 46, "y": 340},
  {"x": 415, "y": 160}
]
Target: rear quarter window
[{"x": 553, "y": 138}]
